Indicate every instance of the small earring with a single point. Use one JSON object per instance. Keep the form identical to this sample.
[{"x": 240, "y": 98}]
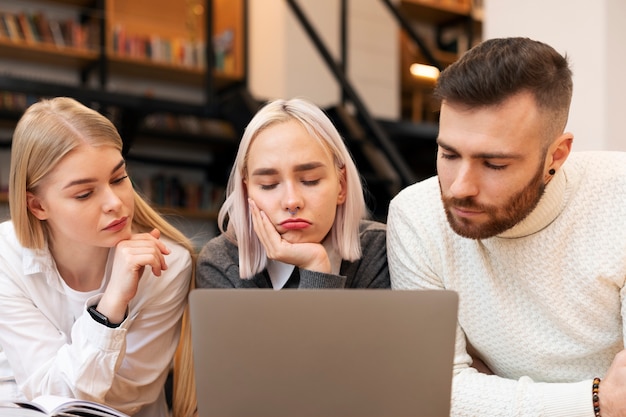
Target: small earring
[
  {"x": 552, "y": 171},
  {"x": 293, "y": 213}
]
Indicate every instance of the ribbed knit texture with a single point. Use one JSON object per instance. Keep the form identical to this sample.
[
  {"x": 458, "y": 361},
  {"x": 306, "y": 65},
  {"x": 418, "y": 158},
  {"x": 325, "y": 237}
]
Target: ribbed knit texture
[{"x": 541, "y": 303}]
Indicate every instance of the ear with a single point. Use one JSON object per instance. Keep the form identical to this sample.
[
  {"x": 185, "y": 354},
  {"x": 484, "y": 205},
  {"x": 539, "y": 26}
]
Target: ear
[
  {"x": 343, "y": 188},
  {"x": 35, "y": 206},
  {"x": 559, "y": 151}
]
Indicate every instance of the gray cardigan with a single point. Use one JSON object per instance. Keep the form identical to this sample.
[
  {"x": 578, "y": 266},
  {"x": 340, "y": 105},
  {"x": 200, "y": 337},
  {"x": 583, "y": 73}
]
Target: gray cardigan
[{"x": 218, "y": 266}]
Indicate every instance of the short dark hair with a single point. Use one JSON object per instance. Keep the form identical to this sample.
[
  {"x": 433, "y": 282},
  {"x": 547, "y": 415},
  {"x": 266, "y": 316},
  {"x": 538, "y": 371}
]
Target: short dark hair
[{"x": 497, "y": 69}]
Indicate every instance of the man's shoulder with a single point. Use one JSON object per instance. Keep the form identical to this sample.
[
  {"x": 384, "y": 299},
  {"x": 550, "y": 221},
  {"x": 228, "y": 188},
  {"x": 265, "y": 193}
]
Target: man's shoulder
[
  {"x": 425, "y": 193},
  {"x": 598, "y": 165},
  {"x": 597, "y": 158}
]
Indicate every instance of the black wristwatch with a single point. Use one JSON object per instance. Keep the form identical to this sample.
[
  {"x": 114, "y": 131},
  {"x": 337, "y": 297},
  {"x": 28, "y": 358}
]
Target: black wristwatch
[{"x": 101, "y": 318}]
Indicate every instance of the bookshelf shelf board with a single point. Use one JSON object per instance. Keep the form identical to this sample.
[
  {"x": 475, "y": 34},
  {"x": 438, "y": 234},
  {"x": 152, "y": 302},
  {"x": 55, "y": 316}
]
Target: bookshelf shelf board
[
  {"x": 142, "y": 67},
  {"x": 47, "y": 54}
]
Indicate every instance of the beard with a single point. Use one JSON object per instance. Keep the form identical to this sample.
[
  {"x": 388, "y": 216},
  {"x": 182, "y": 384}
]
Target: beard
[{"x": 500, "y": 218}]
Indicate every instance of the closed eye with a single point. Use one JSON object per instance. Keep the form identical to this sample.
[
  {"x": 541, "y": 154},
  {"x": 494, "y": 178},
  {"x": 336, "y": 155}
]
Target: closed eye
[
  {"x": 494, "y": 166},
  {"x": 448, "y": 155},
  {"x": 83, "y": 196},
  {"x": 268, "y": 186},
  {"x": 119, "y": 180},
  {"x": 311, "y": 182}
]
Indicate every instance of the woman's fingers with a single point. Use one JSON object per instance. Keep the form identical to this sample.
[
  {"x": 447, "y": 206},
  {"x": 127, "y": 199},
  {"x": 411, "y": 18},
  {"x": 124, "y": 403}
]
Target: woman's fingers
[
  {"x": 306, "y": 255},
  {"x": 144, "y": 249},
  {"x": 266, "y": 232}
]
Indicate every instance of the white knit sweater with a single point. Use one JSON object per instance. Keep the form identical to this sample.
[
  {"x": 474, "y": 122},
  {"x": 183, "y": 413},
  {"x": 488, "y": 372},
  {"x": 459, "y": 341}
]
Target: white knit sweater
[{"x": 542, "y": 303}]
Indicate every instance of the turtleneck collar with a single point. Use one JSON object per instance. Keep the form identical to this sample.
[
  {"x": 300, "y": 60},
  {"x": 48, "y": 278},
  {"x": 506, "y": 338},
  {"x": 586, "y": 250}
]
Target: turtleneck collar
[{"x": 550, "y": 205}]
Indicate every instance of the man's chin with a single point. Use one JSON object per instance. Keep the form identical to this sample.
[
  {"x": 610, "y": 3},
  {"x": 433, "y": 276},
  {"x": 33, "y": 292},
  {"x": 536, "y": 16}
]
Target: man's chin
[{"x": 471, "y": 231}]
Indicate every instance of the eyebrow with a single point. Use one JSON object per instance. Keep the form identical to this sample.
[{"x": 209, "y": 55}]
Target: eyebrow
[
  {"x": 480, "y": 155},
  {"x": 298, "y": 168},
  {"x": 88, "y": 180}
]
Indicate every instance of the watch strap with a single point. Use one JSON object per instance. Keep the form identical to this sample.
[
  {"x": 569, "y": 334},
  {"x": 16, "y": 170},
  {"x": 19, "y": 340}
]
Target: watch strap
[{"x": 101, "y": 318}]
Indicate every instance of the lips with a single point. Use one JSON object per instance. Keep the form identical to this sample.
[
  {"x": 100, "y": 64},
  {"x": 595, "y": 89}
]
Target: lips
[
  {"x": 465, "y": 212},
  {"x": 295, "y": 224},
  {"x": 117, "y": 225}
]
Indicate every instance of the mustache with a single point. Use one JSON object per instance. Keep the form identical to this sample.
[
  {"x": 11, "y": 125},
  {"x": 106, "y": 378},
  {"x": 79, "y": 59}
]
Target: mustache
[{"x": 464, "y": 203}]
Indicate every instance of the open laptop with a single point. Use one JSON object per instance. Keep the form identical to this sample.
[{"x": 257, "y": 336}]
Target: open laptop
[{"x": 323, "y": 353}]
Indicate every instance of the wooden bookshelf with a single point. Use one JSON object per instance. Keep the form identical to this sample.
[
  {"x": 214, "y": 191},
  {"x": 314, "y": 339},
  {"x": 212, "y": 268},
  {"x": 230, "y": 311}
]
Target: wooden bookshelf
[
  {"x": 155, "y": 22},
  {"x": 170, "y": 22},
  {"x": 164, "y": 19}
]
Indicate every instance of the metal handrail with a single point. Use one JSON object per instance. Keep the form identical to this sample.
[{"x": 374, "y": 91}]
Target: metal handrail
[
  {"x": 415, "y": 37},
  {"x": 406, "y": 174}
]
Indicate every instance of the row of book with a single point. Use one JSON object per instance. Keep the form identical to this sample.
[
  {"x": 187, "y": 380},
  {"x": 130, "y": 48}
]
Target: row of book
[
  {"x": 35, "y": 28},
  {"x": 175, "y": 51},
  {"x": 15, "y": 101},
  {"x": 171, "y": 191}
]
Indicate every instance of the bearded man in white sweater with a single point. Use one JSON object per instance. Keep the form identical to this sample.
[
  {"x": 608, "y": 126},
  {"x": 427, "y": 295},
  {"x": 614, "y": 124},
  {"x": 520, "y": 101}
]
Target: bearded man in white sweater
[{"x": 531, "y": 235}]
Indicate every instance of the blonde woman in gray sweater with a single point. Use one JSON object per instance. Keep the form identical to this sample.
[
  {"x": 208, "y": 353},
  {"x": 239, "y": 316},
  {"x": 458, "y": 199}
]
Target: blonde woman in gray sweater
[{"x": 294, "y": 215}]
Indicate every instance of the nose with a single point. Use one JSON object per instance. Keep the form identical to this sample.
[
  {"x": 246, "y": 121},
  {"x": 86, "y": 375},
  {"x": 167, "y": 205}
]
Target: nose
[
  {"x": 292, "y": 199},
  {"x": 464, "y": 183},
  {"x": 111, "y": 201}
]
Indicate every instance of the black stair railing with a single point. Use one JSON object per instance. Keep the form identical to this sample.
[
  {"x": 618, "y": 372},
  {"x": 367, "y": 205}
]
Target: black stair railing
[
  {"x": 412, "y": 33},
  {"x": 377, "y": 133}
]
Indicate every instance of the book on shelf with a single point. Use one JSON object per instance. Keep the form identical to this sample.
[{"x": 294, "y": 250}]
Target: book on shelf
[
  {"x": 35, "y": 28},
  {"x": 26, "y": 27},
  {"x": 40, "y": 22},
  {"x": 12, "y": 26},
  {"x": 57, "y": 33},
  {"x": 4, "y": 30},
  {"x": 53, "y": 406}
]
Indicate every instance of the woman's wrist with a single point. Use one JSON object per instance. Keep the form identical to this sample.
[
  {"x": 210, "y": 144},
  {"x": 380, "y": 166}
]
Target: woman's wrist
[{"x": 115, "y": 310}]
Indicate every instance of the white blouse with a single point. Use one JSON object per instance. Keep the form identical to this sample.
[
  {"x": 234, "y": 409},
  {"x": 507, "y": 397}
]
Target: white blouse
[{"x": 46, "y": 348}]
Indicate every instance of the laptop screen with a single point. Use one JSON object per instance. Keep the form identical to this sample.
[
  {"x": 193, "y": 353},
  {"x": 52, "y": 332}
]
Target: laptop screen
[{"x": 330, "y": 353}]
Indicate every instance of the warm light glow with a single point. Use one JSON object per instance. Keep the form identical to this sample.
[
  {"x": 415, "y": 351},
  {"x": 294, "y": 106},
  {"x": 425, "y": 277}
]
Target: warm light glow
[{"x": 424, "y": 71}]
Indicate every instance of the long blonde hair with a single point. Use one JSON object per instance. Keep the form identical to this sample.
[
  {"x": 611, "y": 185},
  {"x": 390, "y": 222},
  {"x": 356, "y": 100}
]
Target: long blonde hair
[{"x": 49, "y": 130}]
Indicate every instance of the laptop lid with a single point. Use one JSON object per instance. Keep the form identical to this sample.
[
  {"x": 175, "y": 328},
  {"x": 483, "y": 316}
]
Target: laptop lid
[{"x": 323, "y": 353}]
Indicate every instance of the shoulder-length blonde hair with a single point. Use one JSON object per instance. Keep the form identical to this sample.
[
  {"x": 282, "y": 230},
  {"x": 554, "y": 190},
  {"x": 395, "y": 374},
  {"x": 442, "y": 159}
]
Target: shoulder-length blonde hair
[{"x": 234, "y": 217}]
